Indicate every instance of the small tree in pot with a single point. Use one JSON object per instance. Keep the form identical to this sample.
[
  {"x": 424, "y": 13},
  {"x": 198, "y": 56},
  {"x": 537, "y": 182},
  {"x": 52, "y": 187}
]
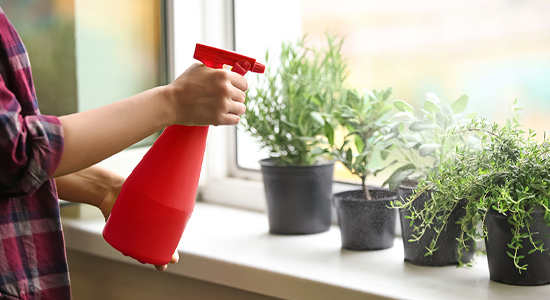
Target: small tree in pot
[
  {"x": 366, "y": 222},
  {"x": 288, "y": 112},
  {"x": 506, "y": 182},
  {"x": 423, "y": 143}
]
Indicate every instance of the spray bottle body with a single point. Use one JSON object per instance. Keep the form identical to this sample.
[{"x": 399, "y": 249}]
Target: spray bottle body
[{"x": 157, "y": 199}]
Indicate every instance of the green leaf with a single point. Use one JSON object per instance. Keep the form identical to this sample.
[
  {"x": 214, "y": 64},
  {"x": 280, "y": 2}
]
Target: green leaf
[
  {"x": 359, "y": 143},
  {"x": 391, "y": 135},
  {"x": 316, "y": 101},
  {"x": 329, "y": 133},
  {"x": 428, "y": 149},
  {"x": 317, "y": 151},
  {"x": 474, "y": 142},
  {"x": 380, "y": 169},
  {"x": 349, "y": 155},
  {"x": 395, "y": 179},
  {"x": 401, "y": 127},
  {"x": 431, "y": 107},
  {"x": 289, "y": 123},
  {"x": 368, "y": 92},
  {"x": 508, "y": 124},
  {"x": 384, "y": 154},
  {"x": 421, "y": 126},
  {"x": 318, "y": 118},
  {"x": 402, "y": 106},
  {"x": 460, "y": 104},
  {"x": 410, "y": 145}
]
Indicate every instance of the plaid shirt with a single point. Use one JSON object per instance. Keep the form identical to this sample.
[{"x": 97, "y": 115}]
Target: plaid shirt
[{"x": 33, "y": 263}]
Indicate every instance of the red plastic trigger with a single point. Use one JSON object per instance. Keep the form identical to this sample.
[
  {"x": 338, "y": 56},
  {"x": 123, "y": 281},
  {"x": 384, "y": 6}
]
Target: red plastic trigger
[{"x": 241, "y": 67}]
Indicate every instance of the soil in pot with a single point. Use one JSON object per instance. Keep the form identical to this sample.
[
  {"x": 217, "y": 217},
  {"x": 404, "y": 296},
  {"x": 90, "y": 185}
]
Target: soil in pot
[
  {"x": 366, "y": 224},
  {"x": 298, "y": 197},
  {"x": 447, "y": 252},
  {"x": 501, "y": 266}
]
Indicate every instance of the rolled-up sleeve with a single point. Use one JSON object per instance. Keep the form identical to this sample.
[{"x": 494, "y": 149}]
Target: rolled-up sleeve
[{"x": 30, "y": 146}]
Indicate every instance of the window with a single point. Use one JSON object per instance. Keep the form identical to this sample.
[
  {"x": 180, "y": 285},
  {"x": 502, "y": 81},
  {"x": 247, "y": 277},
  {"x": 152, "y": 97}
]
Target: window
[
  {"x": 492, "y": 51},
  {"x": 84, "y": 55}
]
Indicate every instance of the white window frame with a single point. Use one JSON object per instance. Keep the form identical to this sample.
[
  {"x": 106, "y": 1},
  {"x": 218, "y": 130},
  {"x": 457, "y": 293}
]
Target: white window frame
[
  {"x": 211, "y": 22},
  {"x": 222, "y": 180}
]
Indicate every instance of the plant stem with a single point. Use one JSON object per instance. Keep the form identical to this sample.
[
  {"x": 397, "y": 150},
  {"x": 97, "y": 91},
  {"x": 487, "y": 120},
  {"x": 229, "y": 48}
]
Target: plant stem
[
  {"x": 477, "y": 129},
  {"x": 365, "y": 190}
]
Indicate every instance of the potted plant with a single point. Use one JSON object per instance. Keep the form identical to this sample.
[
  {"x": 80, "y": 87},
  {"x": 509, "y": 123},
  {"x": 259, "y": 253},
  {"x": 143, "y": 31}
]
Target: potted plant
[
  {"x": 365, "y": 219},
  {"x": 505, "y": 177},
  {"x": 424, "y": 141},
  {"x": 288, "y": 112}
]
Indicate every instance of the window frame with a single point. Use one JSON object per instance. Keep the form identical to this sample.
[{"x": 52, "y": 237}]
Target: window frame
[{"x": 214, "y": 25}]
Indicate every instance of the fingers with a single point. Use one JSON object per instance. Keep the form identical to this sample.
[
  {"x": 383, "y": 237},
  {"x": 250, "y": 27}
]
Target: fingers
[
  {"x": 205, "y": 96},
  {"x": 238, "y": 96},
  {"x": 175, "y": 259},
  {"x": 236, "y": 108},
  {"x": 161, "y": 268},
  {"x": 239, "y": 81}
]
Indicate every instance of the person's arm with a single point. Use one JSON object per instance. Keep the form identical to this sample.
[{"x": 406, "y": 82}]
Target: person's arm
[
  {"x": 98, "y": 187},
  {"x": 95, "y": 186},
  {"x": 200, "y": 96}
]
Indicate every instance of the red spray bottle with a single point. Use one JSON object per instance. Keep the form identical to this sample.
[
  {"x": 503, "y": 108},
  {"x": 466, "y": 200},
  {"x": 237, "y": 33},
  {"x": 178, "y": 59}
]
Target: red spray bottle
[{"x": 157, "y": 199}]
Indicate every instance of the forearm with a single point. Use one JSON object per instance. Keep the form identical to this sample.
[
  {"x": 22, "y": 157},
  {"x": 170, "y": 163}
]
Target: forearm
[
  {"x": 94, "y": 185},
  {"x": 94, "y": 135},
  {"x": 200, "y": 96}
]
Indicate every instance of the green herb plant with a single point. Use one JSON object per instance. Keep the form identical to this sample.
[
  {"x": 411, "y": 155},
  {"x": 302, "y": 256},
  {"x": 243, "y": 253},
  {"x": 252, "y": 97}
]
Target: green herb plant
[
  {"x": 289, "y": 110},
  {"x": 505, "y": 169},
  {"x": 424, "y": 140},
  {"x": 366, "y": 118}
]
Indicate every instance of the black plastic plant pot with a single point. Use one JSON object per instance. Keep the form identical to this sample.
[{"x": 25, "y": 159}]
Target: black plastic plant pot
[
  {"x": 501, "y": 266},
  {"x": 366, "y": 224},
  {"x": 298, "y": 197},
  {"x": 447, "y": 244}
]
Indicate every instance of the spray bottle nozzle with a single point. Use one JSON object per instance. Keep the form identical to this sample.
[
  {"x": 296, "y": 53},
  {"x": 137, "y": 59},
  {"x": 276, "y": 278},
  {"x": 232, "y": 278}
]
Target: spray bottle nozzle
[{"x": 217, "y": 58}]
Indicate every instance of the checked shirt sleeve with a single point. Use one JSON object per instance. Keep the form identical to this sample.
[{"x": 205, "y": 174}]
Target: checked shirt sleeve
[{"x": 30, "y": 146}]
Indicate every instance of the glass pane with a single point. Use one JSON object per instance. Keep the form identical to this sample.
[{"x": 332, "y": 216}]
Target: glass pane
[
  {"x": 253, "y": 41},
  {"x": 48, "y": 30},
  {"x": 118, "y": 50},
  {"x": 85, "y": 54},
  {"x": 493, "y": 51}
]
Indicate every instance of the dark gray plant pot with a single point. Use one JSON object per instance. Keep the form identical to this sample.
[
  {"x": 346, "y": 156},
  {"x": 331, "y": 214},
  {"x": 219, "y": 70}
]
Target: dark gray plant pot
[
  {"x": 501, "y": 266},
  {"x": 447, "y": 252},
  {"x": 298, "y": 197},
  {"x": 364, "y": 224}
]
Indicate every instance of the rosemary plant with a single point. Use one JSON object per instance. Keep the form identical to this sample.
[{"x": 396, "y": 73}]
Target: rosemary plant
[{"x": 289, "y": 111}]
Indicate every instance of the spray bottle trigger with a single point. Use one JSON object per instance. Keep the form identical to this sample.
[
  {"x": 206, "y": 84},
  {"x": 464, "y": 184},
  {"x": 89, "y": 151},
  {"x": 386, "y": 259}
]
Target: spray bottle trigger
[{"x": 241, "y": 67}]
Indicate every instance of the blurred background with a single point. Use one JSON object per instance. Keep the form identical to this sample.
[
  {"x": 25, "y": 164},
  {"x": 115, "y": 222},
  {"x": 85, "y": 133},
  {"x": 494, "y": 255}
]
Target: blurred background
[
  {"x": 85, "y": 54},
  {"x": 493, "y": 51}
]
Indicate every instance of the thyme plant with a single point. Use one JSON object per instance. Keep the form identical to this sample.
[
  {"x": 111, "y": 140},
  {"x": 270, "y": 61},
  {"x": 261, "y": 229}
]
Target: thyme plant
[
  {"x": 505, "y": 169},
  {"x": 289, "y": 110}
]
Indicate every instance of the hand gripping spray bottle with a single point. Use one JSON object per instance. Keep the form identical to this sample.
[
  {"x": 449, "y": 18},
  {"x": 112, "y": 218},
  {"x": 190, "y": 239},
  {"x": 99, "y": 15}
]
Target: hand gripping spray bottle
[{"x": 157, "y": 199}]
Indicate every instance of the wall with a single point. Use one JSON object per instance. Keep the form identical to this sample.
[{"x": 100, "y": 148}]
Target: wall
[{"x": 95, "y": 278}]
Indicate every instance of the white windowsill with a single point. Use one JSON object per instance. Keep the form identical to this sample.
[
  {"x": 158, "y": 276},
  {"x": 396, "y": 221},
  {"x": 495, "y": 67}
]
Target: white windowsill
[{"x": 232, "y": 247}]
